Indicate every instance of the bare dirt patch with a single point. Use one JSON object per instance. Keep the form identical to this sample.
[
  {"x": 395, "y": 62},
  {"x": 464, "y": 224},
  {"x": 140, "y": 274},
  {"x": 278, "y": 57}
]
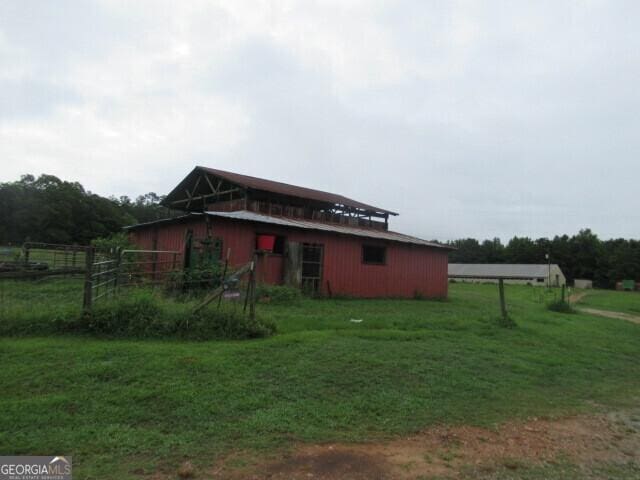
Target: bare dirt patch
[
  {"x": 576, "y": 297},
  {"x": 457, "y": 451}
]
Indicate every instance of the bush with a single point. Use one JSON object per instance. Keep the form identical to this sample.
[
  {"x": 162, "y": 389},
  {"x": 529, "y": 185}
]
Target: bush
[
  {"x": 144, "y": 315},
  {"x": 277, "y": 294},
  {"x": 506, "y": 322},
  {"x": 113, "y": 242},
  {"x": 560, "y": 307}
]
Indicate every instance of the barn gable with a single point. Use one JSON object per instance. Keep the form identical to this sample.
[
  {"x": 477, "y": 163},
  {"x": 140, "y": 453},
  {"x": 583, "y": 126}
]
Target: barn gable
[{"x": 207, "y": 189}]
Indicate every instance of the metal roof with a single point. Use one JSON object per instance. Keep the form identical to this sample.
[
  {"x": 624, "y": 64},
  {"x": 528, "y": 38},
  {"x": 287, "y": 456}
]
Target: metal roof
[
  {"x": 291, "y": 190},
  {"x": 248, "y": 216},
  {"x": 505, "y": 270}
]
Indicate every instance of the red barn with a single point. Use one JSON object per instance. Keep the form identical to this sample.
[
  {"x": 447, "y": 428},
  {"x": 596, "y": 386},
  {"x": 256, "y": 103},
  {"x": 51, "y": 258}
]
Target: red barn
[{"x": 315, "y": 240}]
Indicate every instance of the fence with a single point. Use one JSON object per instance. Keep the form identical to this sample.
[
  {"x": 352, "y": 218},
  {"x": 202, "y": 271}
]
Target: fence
[
  {"x": 70, "y": 278},
  {"x": 33, "y": 260}
]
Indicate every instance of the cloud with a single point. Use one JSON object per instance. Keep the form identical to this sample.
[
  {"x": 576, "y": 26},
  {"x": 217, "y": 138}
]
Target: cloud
[{"x": 470, "y": 119}]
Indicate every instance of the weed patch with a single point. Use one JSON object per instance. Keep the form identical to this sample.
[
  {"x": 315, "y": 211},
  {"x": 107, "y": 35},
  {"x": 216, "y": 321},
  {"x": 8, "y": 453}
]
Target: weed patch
[
  {"x": 560, "y": 307},
  {"x": 278, "y": 294},
  {"x": 145, "y": 315}
]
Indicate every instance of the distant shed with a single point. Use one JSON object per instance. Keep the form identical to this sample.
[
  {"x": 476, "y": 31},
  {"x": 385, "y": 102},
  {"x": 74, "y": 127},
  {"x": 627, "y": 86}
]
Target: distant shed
[
  {"x": 582, "y": 283},
  {"x": 521, "y": 273}
]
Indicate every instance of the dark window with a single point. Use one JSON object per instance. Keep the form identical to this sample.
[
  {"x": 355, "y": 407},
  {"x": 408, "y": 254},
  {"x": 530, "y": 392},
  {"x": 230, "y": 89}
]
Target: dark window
[
  {"x": 312, "y": 267},
  {"x": 374, "y": 255},
  {"x": 278, "y": 244}
]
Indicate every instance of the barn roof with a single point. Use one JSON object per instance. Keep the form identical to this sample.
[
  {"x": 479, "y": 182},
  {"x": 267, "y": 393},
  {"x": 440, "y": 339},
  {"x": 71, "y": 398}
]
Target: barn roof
[
  {"x": 326, "y": 227},
  {"x": 280, "y": 188},
  {"x": 247, "y": 216},
  {"x": 494, "y": 270}
]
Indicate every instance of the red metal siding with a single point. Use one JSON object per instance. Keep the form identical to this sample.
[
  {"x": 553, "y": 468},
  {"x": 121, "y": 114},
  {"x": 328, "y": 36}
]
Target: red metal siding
[{"x": 409, "y": 269}]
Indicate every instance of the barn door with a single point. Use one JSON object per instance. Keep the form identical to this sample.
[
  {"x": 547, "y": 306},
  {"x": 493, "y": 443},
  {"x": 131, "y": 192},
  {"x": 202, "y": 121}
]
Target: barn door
[
  {"x": 312, "y": 256},
  {"x": 293, "y": 265}
]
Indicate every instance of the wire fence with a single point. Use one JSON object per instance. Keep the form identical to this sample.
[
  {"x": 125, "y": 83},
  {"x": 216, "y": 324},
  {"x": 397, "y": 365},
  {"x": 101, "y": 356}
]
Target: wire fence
[{"x": 46, "y": 282}]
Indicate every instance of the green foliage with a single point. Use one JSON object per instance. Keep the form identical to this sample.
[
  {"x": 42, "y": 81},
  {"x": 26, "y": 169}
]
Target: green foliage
[
  {"x": 47, "y": 209},
  {"x": 560, "y": 307},
  {"x": 582, "y": 255},
  {"x": 145, "y": 315},
  {"x": 114, "y": 241},
  {"x": 37, "y": 307},
  {"x": 506, "y": 322},
  {"x": 277, "y": 294}
]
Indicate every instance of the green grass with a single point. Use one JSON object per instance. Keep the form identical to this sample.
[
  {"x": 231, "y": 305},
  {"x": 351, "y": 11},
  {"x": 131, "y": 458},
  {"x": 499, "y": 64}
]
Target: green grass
[
  {"x": 626, "y": 302},
  {"x": 37, "y": 305},
  {"x": 124, "y": 405}
]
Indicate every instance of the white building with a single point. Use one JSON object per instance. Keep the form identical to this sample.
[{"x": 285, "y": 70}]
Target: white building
[{"x": 523, "y": 274}]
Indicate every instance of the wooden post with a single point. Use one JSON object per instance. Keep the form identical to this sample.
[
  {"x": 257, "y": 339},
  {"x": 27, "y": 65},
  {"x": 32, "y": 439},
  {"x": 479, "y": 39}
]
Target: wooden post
[
  {"x": 252, "y": 280},
  {"x": 88, "y": 280},
  {"x": 562, "y": 294},
  {"x": 503, "y": 306},
  {"x": 224, "y": 273}
]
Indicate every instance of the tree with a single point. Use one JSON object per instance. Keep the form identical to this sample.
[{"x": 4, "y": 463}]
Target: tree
[{"x": 47, "y": 209}]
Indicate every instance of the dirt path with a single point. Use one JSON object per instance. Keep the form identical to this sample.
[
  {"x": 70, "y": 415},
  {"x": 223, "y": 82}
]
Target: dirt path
[
  {"x": 610, "y": 314},
  {"x": 453, "y": 452},
  {"x": 576, "y": 297}
]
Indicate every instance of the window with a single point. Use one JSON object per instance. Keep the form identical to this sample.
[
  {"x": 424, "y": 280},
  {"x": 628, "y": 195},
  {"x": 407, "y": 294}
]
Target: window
[
  {"x": 374, "y": 255},
  {"x": 278, "y": 244}
]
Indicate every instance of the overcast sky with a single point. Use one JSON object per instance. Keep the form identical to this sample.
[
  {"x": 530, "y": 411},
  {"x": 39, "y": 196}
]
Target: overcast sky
[{"x": 469, "y": 118}]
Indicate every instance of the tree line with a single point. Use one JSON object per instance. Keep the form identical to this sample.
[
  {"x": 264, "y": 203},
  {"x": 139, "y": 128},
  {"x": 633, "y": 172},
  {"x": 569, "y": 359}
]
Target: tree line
[
  {"x": 47, "y": 209},
  {"x": 583, "y": 255}
]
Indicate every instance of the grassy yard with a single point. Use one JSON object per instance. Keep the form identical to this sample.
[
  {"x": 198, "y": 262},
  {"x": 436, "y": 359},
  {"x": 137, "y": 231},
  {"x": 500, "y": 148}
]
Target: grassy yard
[
  {"x": 402, "y": 366},
  {"x": 626, "y": 302}
]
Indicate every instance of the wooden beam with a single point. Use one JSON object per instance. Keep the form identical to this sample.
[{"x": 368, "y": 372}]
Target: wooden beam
[
  {"x": 208, "y": 195},
  {"x": 206, "y": 177}
]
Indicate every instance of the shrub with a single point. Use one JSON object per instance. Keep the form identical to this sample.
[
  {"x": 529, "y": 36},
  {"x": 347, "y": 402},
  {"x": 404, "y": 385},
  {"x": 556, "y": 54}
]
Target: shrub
[
  {"x": 560, "y": 307},
  {"x": 507, "y": 322},
  {"x": 277, "y": 294},
  {"x": 113, "y": 242},
  {"x": 145, "y": 315}
]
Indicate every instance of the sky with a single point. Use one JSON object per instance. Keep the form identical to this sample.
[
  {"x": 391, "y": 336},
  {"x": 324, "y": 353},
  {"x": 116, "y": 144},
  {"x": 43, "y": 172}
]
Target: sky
[{"x": 471, "y": 119}]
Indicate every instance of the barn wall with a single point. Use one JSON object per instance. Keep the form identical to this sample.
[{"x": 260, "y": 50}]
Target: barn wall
[{"x": 409, "y": 269}]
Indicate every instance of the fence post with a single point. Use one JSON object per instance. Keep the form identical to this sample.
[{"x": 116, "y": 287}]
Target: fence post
[
  {"x": 88, "y": 280},
  {"x": 116, "y": 279},
  {"x": 252, "y": 279},
  {"x": 503, "y": 306}
]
